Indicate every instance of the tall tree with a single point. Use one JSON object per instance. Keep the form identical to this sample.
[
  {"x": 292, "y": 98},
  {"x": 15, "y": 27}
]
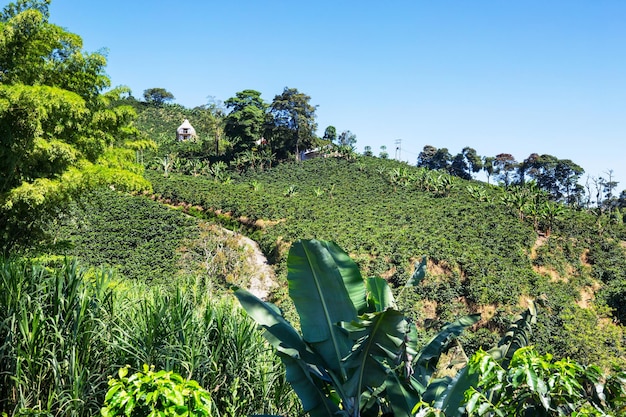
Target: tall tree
[
  {"x": 488, "y": 166},
  {"x": 245, "y": 123},
  {"x": 157, "y": 96},
  {"x": 424, "y": 158},
  {"x": 330, "y": 134},
  {"x": 527, "y": 169},
  {"x": 466, "y": 163},
  {"x": 58, "y": 133},
  {"x": 293, "y": 123},
  {"x": 347, "y": 139},
  {"x": 434, "y": 158},
  {"x": 504, "y": 166},
  {"x": 568, "y": 174},
  {"x": 558, "y": 177},
  {"x": 608, "y": 185}
]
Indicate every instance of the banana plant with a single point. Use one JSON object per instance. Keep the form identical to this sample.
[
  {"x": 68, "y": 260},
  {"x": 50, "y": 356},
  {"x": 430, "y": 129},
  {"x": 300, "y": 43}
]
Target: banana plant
[
  {"x": 448, "y": 394},
  {"x": 356, "y": 354}
]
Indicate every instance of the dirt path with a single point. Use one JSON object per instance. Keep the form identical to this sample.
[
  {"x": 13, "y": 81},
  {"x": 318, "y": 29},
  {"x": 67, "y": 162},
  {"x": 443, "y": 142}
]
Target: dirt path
[{"x": 262, "y": 280}]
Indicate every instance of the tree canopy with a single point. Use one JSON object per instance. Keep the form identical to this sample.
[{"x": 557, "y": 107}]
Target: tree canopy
[
  {"x": 246, "y": 121},
  {"x": 59, "y": 131},
  {"x": 330, "y": 134},
  {"x": 293, "y": 123},
  {"x": 157, "y": 96}
]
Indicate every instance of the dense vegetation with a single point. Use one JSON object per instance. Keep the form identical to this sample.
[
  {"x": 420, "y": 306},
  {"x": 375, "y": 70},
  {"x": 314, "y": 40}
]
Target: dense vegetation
[
  {"x": 483, "y": 257},
  {"x": 116, "y": 265},
  {"x": 357, "y": 354},
  {"x": 103, "y": 222},
  {"x": 66, "y": 330},
  {"x": 60, "y": 133}
]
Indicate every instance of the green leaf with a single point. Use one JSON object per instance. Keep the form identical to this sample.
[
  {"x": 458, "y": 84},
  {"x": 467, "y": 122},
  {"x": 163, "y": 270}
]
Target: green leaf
[
  {"x": 448, "y": 393},
  {"x": 401, "y": 399},
  {"x": 312, "y": 395},
  {"x": 380, "y": 294},
  {"x": 278, "y": 331},
  {"x": 377, "y": 337},
  {"x": 318, "y": 287},
  {"x": 472, "y": 402},
  {"x": 517, "y": 336},
  {"x": 130, "y": 405},
  {"x": 304, "y": 369}
]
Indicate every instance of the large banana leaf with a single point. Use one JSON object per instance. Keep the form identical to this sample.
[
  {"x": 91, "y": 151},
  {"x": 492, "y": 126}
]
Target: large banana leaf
[
  {"x": 278, "y": 331},
  {"x": 401, "y": 399},
  {"x": 380, "y": 296},
  {"x": 418, "y": 275},
  {"x": 304, "y": 369},
  {"x": 518, "y": 335},
  {"x": 310, "y": 391},
  {"x": 379, "y": 340},
  {"x": 448, "y": 394},
  {"x": 324, "y": 285}
]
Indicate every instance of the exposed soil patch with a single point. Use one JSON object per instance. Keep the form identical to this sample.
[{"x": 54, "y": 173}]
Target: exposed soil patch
[
  {"x": 438, "y": 268},
  {"x": 551, "y": 272},
  {"x": 541, "y": 240},
  {"x": 429, "y": 309},
  {"x": 262, "y": 278},
  {"x": 588, "y": 295}
]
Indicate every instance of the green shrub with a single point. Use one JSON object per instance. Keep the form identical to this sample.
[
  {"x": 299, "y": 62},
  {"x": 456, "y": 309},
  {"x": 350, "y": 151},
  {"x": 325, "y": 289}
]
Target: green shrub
[
  {"x": 64, "y": 329},
  {"x": 536, "y": 385},
  {"x": 150, "y": 393},
  {"x": 134, "y": 235},
  {"x": 54, "y": 352}
]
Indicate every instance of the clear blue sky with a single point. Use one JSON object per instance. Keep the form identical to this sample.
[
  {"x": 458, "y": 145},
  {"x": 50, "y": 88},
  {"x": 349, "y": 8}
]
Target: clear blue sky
[{"x": 500, "y": 76}]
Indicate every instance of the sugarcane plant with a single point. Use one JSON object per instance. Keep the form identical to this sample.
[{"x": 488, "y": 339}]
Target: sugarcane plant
[{"x": 357, "y": 354}]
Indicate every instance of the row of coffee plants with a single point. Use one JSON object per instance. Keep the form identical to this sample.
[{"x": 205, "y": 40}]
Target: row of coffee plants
[
  {"x": 137, "y": 236},
  {"x": 482, "y": 256},
  {"x": 64, "y": 331},
  {"x": 586, "y": 248}
]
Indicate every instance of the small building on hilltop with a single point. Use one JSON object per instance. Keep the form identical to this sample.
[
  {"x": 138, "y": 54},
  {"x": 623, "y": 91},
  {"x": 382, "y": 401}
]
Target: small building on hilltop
[{"x": 185, "y": 131}]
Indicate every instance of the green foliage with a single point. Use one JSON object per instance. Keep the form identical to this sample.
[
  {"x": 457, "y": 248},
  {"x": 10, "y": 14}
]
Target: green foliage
[
  {"x": 482, "y": 251},
  {"x": 55, "y": 123},
  {"x": 137, "y": 236},
  {"x": 216, "y": 259},
  {"x": 157, "y": 96},
  {"x": 193, "y": 157},
  {"x": 448, "y": 393},
  {"x": 534, "y": 384},
  {"x": 63, "y": 330},
  {"x": 382, "y": 227},
  {"x": 246, "y": 121},
  {"x": 357, "y": 354},
  {"x": 151, "y": 393},
  {"x": 53, "y": 327},
  {"x": 292, "y": 123}
]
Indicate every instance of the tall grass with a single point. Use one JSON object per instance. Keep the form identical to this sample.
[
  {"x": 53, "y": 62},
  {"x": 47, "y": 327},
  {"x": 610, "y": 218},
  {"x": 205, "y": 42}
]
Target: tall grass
[
  {"x": 64, "y": 330},
  {"x": 209, "y": 340},
  {"x": 52, "y": 322}
]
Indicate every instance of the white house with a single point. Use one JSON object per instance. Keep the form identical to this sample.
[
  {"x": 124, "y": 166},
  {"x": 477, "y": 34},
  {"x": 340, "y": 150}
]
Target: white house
[{"x": 185, "y": 131}]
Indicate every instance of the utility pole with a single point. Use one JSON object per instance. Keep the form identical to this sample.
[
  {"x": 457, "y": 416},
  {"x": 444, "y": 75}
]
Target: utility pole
[{"x": 398, "y": 143}]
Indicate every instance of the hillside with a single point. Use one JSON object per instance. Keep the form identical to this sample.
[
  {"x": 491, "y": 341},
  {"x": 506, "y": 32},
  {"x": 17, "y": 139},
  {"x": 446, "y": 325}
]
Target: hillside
[
  {"x": 133, "y": 262},
  {"x": 481, "y": 256}
]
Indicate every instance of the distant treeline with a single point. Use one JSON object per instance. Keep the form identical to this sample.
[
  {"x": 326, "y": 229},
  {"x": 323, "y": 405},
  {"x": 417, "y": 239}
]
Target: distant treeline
[{"x": 559, "y": 178}]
